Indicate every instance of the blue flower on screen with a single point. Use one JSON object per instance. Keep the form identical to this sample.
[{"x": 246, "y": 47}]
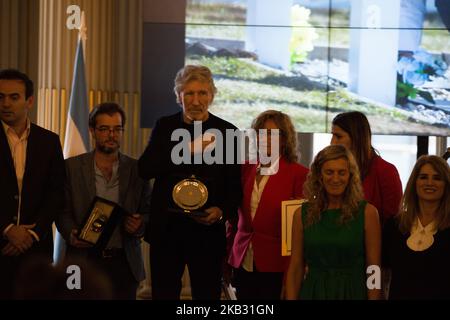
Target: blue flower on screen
[{"x": 415, "y": 70}]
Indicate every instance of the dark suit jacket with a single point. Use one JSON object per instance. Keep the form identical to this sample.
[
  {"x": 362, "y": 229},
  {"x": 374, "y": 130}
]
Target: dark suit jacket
[
  {"x": 80, "y": 192},
  {"x": 43, "y": 186},
  {"x": 224, "y": 189}
]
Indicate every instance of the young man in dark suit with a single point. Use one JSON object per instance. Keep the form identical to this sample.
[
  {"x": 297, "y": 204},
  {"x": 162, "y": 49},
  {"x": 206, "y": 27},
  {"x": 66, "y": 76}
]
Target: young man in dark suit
[{"x": 31, "y": 184}]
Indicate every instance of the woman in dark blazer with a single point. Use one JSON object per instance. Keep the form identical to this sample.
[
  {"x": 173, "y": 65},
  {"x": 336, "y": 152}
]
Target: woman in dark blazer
[
  {"x": 256, "y": 250},
  {"x": 416, "y": 243}
]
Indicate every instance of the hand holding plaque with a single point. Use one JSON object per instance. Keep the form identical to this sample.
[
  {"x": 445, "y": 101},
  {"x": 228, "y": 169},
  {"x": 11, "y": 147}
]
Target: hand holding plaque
[
  {"x": 100, "y": 222},
  {"x": 190, "y": 195}
]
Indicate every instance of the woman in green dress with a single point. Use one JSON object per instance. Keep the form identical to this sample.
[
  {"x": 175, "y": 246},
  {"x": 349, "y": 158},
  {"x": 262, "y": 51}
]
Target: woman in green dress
[{"x": 336, "y": 234}]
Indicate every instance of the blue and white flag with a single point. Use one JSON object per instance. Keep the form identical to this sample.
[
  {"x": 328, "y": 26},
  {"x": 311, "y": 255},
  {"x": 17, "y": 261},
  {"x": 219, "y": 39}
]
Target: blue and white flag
[
  {"x": 76, "y": 139},
  {"x": 77, "y": 128}
]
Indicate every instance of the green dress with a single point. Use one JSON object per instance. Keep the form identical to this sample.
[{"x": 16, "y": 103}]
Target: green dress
[{"x": 335, "y": 256}]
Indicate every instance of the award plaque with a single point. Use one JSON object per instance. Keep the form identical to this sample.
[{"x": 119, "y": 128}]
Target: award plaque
[
  {"x": 100, "y": 222},
  {"x": 190, "y": 195}
]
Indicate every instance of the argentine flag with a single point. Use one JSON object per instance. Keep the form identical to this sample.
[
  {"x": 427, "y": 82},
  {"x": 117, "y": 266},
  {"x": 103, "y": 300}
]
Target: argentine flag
[{"x": 77, "y": 129}]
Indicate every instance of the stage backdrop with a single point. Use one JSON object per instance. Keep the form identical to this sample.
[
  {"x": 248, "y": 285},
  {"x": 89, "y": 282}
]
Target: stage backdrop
[{"x": 310, "y": 59}]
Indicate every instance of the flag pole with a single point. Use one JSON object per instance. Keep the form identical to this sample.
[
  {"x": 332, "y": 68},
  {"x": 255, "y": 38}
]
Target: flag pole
[
  {"x": 76, "y": 139},
  {"x": 82, "y": 33}
]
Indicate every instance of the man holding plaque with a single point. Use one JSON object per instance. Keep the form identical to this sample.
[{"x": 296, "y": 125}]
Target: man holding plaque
[
  {"x": 105, "y": 202},
  {"x": 31, "y": 183},
  {"x": 192, "y": 197}
]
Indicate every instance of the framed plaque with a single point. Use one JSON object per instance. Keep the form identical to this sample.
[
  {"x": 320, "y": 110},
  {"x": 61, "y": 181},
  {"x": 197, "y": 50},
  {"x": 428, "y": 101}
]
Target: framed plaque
[
  {"x": 100, "y": 222},
  {"x": 288, "y": 209}
]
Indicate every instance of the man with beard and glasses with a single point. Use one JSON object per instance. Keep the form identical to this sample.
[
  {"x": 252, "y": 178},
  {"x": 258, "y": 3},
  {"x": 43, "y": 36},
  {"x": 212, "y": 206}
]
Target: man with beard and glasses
[{"x": 109, "y": 174}]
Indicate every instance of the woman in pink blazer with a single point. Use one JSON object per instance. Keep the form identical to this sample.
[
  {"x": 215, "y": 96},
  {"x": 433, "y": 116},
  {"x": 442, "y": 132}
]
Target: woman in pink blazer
[{"x": 255, "y": 253}]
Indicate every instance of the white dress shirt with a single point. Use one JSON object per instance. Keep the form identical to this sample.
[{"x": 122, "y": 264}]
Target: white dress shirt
[
  {"x": 18, "y": 147},
  {"x": 258, "y": 189}
]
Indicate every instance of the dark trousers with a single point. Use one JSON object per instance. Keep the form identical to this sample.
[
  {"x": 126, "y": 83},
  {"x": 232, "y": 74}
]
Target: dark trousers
[
  {"x": 257, "y": 285},
  {"x": 201, "y": 248},
  {"x": 14, "y": 272},
  {"x": 8, "y": 274},
  {"x": 124, "y": 285},
  {"x": 115, "y": 267}
]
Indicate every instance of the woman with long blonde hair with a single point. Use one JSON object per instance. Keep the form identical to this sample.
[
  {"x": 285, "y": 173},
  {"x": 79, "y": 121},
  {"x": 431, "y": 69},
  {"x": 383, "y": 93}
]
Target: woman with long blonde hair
[{"x": 335, "y": 233}]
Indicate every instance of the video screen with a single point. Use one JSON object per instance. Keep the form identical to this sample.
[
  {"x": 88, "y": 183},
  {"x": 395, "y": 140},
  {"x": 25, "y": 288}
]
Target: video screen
[{"x": 313, "y": 59}]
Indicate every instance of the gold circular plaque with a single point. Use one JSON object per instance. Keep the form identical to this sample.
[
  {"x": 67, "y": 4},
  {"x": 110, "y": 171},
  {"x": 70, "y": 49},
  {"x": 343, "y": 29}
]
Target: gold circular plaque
[{"x": 190, "y": 194}]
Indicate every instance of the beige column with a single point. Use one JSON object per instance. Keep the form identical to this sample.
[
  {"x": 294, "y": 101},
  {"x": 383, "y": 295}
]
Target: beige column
[
  {"x": 19, "y": 25},
  {"x": 112, "y": 57}
]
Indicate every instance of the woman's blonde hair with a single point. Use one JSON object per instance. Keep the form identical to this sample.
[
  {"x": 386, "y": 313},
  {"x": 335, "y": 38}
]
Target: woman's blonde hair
[
  {"x": 287, "y": 132},
  {"x": 193, "y": 73},
  {"x": 409, "y": 206},
  {"x": 316, "y": 194}
]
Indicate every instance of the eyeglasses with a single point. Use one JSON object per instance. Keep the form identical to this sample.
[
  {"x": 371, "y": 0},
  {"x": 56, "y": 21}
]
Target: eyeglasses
[{"x": 107, "y": 130}]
